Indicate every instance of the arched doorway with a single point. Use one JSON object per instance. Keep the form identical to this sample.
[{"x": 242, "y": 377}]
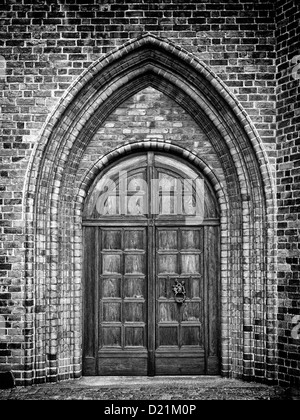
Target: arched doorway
[
  {"x": 151, "y": 270},
  {"x": 56, "y": 191}
]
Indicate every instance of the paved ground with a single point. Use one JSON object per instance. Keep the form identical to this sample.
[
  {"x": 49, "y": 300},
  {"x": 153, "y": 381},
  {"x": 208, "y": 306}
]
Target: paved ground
[{"x": 146, "y": 388}]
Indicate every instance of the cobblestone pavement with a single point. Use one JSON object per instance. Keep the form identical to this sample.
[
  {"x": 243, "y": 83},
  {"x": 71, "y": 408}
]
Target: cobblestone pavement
[{"x": 158, "y": 388}]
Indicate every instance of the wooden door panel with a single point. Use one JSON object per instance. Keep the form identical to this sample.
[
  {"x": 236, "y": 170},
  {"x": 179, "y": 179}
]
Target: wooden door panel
[
  {"x": 134, "y": 239},
  {"x": 167, "y": 239},
  {"x": 135, "y": 337},
  {"x": 180, "y": 326},
  {"x": 111, "y": 239},
  {"x": 111, "y": 263},
  {"x": 190, "y": 239},
  {"x": 192, "y": 311},
  {"x": 167, "y": 263},
  {"x": 134, "y": 287},
  {"x": 191, "y": 336},
  {"x": 192, "y": 286},
  {"x": 111, "y": 312},
  {"x": 123, "y": 301},
  {"x": 111, "y": 287},
  {"x": 110, "y": 336},
  {"x": 167, "y": 312},
  {"x": 125, "y": 364},
  {"x": 164, "y": 290},
  {"x": 135, "y": 264},
  {"x": 177, "y": 364},
  {"x": 134, "y": 312},
  {"x": 168, "y": 336},
  {"x": 212, "y": 263},
  {"x": 89, "y": 300},
  {"x": 190, "y": 263}
]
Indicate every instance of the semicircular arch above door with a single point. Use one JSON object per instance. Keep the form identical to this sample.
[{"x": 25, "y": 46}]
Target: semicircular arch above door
[{"x": 151, "y": 185}]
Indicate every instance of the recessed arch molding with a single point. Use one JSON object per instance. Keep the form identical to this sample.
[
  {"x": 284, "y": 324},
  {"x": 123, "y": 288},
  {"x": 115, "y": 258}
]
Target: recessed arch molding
[{"x": 54, "y": 202}]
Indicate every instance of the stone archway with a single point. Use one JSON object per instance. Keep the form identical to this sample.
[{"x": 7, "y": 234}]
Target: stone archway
[{"x": 54, "y": 206}]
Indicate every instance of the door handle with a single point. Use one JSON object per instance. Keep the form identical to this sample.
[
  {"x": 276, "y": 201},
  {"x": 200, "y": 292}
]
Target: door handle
[{"x": 179, "y": 291}]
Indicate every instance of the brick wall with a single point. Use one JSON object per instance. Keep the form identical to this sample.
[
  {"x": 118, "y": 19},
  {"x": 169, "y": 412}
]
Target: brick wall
[
  {"x": 46, "y": 46},
  {"x": 288, "y": 190},
  {"x": 148, "y": 115}
]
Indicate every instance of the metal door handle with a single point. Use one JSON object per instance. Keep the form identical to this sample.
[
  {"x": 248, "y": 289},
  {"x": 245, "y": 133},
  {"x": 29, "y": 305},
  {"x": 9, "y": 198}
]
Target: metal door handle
[{"x": 179, "y": 291}]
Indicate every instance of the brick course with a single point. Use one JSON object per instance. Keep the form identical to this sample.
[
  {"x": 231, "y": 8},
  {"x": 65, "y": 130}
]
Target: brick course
[
  {"x": 45, "y": 49},
  {"x": 288, "y": 186}
]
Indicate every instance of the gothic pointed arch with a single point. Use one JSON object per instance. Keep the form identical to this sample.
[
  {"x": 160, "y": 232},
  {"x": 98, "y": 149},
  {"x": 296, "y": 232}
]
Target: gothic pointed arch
[{"x": 54, "y": 203}]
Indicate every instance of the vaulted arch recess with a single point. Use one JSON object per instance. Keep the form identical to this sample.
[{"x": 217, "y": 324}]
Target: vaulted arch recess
[{"x": 55, "y": 203}]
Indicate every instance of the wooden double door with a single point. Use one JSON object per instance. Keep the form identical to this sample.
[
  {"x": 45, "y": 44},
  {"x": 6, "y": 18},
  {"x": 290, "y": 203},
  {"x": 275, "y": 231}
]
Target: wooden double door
[
  {"x": 151, "y": 299},
  {"x": 151, "y": 270}
]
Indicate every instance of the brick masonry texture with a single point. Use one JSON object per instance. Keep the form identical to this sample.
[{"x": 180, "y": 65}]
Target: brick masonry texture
[
  {"x": 45, "y": 49},
  {"x": 288, "y": 189},
  {"x": 149, "y": 114}
]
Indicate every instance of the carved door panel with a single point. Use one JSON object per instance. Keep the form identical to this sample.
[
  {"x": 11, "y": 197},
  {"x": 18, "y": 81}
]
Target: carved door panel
[
  {"x": 122, "y": 302},
  {"x": 119, "y": 293},
  {"x": 179, "y": 301}
]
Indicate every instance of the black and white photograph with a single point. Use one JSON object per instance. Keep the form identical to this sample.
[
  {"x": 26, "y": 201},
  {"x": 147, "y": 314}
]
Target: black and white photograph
[{"x": 149, "y": 203}]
